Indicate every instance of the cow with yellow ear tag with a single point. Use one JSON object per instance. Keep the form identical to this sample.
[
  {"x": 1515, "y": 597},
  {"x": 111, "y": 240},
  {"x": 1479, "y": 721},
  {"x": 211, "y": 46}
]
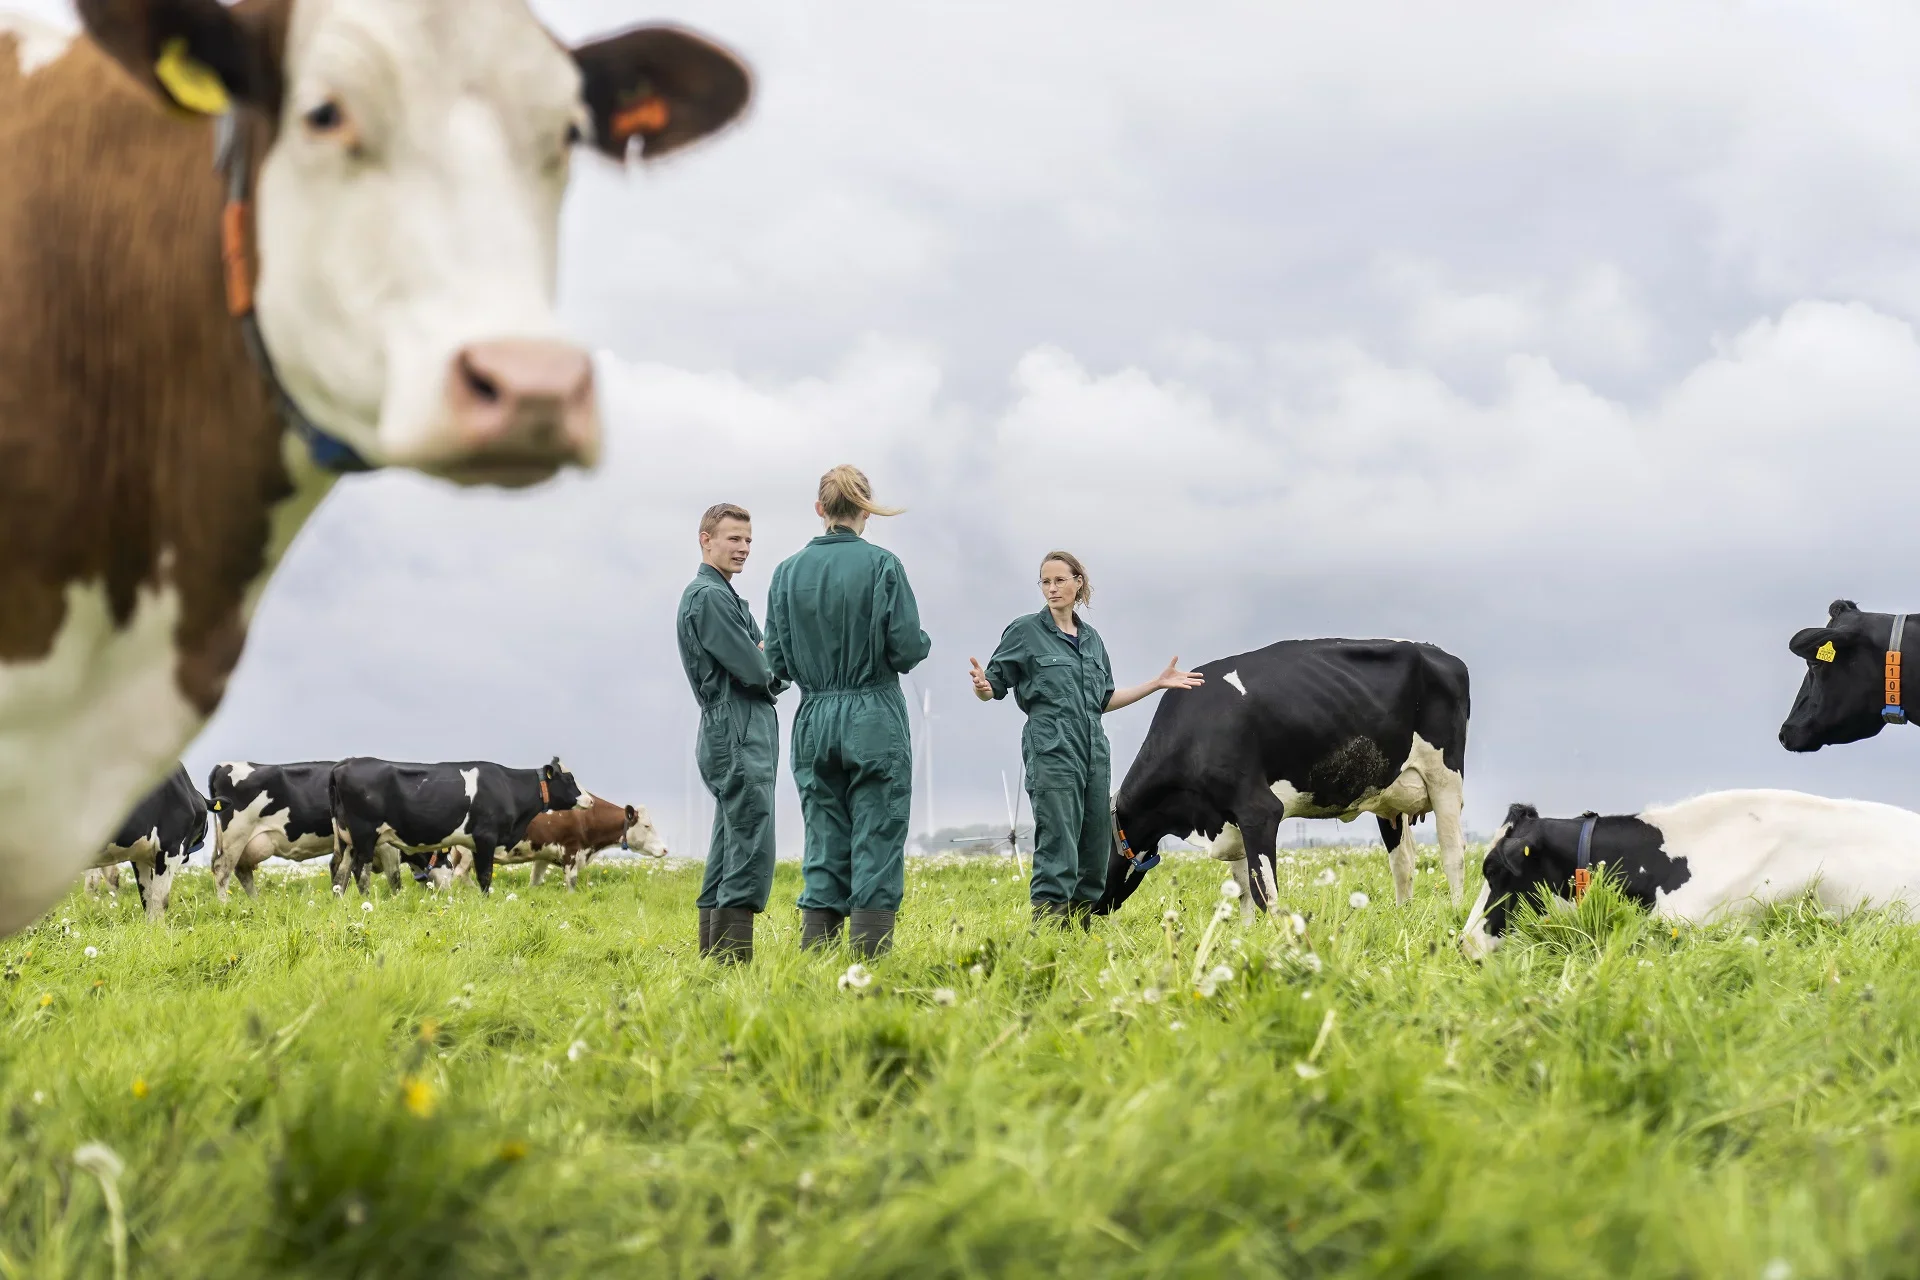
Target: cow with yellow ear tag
[{"x": 1853, "y": 685}]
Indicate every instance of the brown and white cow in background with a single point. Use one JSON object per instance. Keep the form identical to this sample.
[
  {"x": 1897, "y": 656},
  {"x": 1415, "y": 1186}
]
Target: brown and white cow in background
[
  {"x": 570, "y": 838},
  {"x": 393, "y": 252}
]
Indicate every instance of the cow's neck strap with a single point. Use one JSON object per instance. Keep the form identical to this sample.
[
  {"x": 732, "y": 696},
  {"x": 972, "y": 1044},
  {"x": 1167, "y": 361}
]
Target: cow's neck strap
[
  {"x": 1140, "y": 862},
  {"x": 1583, "y": 860},
  {"x": 231, "y": 161},
  {"x": 1894, "y": 712}
]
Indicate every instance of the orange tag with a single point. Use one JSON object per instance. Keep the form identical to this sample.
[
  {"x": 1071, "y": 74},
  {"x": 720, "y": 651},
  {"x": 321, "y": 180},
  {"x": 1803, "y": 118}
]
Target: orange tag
[
  {"x": 1582, "y": 878},
  {"x": 233, "y": 256},
  {"x": 647, "y": 116}
]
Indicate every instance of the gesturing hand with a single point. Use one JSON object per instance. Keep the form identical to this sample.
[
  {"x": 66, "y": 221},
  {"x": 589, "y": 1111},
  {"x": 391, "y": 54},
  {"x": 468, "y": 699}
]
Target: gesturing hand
[
  {"x": 1174, "y": 678},
  {"x": 981, "y": 688}
]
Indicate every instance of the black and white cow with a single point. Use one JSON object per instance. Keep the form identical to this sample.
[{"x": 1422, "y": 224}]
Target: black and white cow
[
  {"x": 166, "y": 828},
  {"x": 1843, "y": 697},
  {"x": 1301, "y": 729},
  {"x": 1724, "y": 853},
  {"x": 384, "y": 811},
  {"x": 263, "y": 811}
]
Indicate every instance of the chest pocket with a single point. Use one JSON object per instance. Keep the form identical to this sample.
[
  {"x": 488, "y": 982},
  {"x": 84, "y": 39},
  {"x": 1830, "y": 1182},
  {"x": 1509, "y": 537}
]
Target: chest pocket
[{"x": 1055, "y": 681}]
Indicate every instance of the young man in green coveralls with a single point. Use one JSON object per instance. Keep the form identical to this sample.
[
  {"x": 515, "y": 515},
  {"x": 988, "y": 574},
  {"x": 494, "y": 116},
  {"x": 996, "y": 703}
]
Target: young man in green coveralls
[
  {"x": 739, "y": 747},
  {"x": 843, "y": 625},
  {"x": 1055, "y": 665}
]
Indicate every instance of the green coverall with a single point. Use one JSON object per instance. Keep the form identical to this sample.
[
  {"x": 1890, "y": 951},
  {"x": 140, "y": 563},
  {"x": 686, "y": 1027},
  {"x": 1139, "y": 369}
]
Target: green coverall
[
  {"x": 739, "y": 747},
  {"x": 1064, "y": 688},
  {"x": 843, "y": 625}
]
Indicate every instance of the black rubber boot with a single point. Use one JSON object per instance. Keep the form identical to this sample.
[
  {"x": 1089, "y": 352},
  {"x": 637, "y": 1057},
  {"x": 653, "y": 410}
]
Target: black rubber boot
[
  {"x": 1059, "y": 914},
  {"x": 872, "y": 933},
  {"x": 706, "y": 930},
  {"x": 733, "y": 935},
  {"x": 820, "y": 928},
  {"x": 1082, "y": 913}
]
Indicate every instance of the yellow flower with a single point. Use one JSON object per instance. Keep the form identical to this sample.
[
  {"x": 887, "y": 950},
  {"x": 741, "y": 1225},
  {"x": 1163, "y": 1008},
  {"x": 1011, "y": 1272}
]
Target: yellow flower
[
  {"x": 512, "y": 1151},
  {"x": 46, "y": 998},
  {"x": 418, "y": 1096},
  {"x": 233, "y": 957},
  {"x": 429, "y": 1028},
  {"x": 139, "y": 1087}
]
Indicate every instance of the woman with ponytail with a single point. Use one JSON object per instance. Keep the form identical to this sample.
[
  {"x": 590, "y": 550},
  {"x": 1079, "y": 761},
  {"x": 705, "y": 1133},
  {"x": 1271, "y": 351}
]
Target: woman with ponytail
[
  {"x": 843, "y": 625},
  {"x": 1056, "y": 666}
]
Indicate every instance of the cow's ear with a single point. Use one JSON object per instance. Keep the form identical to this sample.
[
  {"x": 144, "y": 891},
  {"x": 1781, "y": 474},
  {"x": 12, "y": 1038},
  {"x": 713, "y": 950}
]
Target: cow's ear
[
  {"x": 1817, "y": 643},
  {"x": 632, "y": 817},
  {"x": 198, "y": 55},
  {"x": 1518, "y": 813},
  {"x": 1839, "y": 607},
  {"x": 659, "y": 86}
]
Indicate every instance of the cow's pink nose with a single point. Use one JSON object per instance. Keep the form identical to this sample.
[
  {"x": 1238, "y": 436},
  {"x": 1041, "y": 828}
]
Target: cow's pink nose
[{"x": 520, "y": 409}]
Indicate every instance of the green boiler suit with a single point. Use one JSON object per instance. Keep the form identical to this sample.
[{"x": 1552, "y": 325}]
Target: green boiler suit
[
  {"x": 739, "y": 746},
  {"x": 1063, "y": 683},
  {"x": 842, "y": 624}
]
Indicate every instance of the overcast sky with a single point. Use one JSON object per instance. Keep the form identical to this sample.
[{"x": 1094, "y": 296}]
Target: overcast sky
[{"x": 1574, "y": 338}]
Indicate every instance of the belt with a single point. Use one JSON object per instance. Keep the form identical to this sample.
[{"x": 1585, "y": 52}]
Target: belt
[{"x": 847, "y": 691}]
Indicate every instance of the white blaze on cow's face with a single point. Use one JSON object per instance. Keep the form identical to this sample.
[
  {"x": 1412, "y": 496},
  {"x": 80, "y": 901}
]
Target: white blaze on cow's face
[
  {"x": 407, "y": 228},
  {"x": 642, "y": 837}
]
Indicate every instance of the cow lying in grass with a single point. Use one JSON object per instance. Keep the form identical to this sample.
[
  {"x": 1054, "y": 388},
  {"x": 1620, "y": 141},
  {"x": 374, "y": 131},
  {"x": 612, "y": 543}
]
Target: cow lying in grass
[{"x": 1724, "y": 853}]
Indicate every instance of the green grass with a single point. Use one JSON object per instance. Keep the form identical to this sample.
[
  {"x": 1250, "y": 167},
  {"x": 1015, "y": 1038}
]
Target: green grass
[{"x": 556, "y": 1086}]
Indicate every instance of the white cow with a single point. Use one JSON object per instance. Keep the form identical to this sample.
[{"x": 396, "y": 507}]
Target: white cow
[{"x": 1724, "y": 853}]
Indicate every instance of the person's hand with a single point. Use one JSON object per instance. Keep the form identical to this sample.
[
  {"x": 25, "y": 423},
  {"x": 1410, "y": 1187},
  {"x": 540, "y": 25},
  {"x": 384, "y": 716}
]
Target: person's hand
[
  {"x": 981, "y": 688},
  {"x": 1174, "y": 678}
]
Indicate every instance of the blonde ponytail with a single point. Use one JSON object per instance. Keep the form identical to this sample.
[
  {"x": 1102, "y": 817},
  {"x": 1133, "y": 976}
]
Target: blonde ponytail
[{"x": 845, "y": 494}]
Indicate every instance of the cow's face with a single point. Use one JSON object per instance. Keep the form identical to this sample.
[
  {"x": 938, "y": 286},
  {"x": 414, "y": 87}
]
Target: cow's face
[
  {"x": 1519, "y": 864},
  {"x": 641, "y": 835},
  {"x": 408, "y": 202},
  {"x": 1844, "y": 689},
  {"x": 562, "y": 791}
]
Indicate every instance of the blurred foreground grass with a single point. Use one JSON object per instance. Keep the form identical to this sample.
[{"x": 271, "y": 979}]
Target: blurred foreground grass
[{"x": 554, "y": 1085}]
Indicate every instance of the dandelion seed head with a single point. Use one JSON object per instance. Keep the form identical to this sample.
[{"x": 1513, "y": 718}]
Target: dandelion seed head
[
  {"x": 1298, "y": 924},
  {"x": 576, "y": 1050},
  {"x": 1176, "y": 1025},
  {"x": 513, "y": 897},
  {"x": 1222, "y": 973},
  {"x": 1307, "y": 1071},
  {"x": 1169, "y": 916},
  {"x": 91, "y": 952},
  {"x": 978, "y": 971},
  {"x": 1312, "y": 961},
  {"x": 805, "y": 1181},
  {"x": 100, "y": 1160},
  {"x": 366, "y": 906},
  {"x": 1359, "y": 901},
  {"x": 856, "y": 978},
  {"x": 1326, "y": 877},
  {"x": 1225, "y": 911},
  {"x": 1151, "y": 995},
  {"x": 38, "y": 1097},
  {"x": 1230, "y": 888},
  {"x": 945, "y": 997}
]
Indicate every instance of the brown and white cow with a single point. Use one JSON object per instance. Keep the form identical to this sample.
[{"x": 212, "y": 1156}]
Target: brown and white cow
[
  {"x": 187, "y": 356},
  {"x": 570, "y": 837}
]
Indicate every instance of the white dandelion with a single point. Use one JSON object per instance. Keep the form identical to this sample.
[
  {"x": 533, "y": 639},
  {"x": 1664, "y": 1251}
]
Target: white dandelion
[
  {"x": 513, "y": 897},
  {"x": 1151, "y": 995},
  {"x": 1224, "y": 912},
  {"x": 945, "y": 997},
  {"x": 1326, "y": 877},
  {"x": 366, "y": 906},
  {"x": 576, "y": 1050},
  {"x": 1221, "y": 973},
  {"x": 1307, "y": 1071},
  {"x": 563, "y": 924},
  {"x": 1359, "y": 901},
  {"x": 1176, "y": 1025},
  {"x": 1229, "y": 888},
  {"x": 1298, "y": 924},
  {"x": 978, "y": 971},
  {"x": 1169, "y": 916},
  {"x": 856, "y": 978},
  {"x": 1312, "y": 961},
  {"x": 91, "y": 952}
]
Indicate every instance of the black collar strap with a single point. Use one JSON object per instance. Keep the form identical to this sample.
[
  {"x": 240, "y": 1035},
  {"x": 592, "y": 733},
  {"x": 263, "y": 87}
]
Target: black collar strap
[
  {"x": 1894, "y": 712},
  {"x": 1583, "y": 859},
  {"x": 230, "y": 159}
]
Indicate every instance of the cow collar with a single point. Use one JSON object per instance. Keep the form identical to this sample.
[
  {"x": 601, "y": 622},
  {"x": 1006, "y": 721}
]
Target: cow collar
[
  {"x": 1894, "y": 712},
  {"x": 1583, "y": 859},
  {"x": 1140, "y": 862},
  {"x": 231, "y": 161},
  {"x": 546, "y": 801}
]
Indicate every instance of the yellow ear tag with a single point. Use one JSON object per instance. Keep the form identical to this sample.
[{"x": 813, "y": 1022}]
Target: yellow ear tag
[
  {"x": 192, "y": 84},
  {"x": 1824, "y": 652},
  {"x": 1526, "y": 851}
]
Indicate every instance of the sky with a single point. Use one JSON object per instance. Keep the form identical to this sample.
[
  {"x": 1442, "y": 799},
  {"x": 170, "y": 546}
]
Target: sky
[{"x": 1577, "y": 339}]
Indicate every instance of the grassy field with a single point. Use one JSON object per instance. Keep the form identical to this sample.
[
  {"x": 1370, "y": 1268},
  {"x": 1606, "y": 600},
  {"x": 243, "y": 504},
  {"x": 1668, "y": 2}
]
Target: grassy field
[{"x": 554, "y": 1085}]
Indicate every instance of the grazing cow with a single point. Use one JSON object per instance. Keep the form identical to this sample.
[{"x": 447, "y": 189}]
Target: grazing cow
[
  {"x": 384, "y": 811},
  {"x": 193, "y": 345},
  {"x": 1727, "y": 852},
  {"x": 162, "y": 832},
  {"x": 571, "y": 837},
  {"x": 1853, "y": 685},
  {"x": 1299, "y": 729},
  {"x": 263, "y": 811}
]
